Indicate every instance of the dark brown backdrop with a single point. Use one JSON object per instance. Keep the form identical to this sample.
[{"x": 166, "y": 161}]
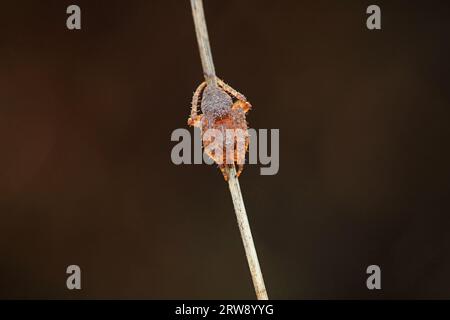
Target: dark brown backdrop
[{"x": 85, "y": 170}]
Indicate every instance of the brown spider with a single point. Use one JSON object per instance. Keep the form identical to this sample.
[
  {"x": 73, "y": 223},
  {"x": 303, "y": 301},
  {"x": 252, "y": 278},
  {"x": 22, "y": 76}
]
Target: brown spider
[{"x": 223, "y": 109}]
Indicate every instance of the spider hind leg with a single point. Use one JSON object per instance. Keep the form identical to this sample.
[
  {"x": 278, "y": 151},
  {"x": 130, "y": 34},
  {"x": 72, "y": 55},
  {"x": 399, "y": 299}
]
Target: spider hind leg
[{"x": 223, "y": 169}]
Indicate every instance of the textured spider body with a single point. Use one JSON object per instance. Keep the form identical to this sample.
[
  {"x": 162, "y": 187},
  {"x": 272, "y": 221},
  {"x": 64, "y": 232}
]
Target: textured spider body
[{"x": 223, "y": 115}]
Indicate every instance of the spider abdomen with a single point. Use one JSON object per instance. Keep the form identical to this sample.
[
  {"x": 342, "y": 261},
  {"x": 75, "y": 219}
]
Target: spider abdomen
[{"x": 215, "y": 103}]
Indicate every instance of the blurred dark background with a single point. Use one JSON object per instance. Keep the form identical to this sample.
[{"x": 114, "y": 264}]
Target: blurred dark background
[{"x": 86, "y": 176}]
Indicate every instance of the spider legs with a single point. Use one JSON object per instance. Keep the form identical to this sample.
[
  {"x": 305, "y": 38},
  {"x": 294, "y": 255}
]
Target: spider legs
[
  {"x": 195, "y": 118},
  {"x": 230, "y": 90},
  {"x": 224, "y": 170}
]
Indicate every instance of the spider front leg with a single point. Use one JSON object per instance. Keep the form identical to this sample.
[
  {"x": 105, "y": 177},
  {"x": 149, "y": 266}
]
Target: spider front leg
[
  {"x": 195, "y": 121},
  {"x": 236, "y": 94},
  {"x": 196, "y": 99},
  {"x": 244, "y": 105}
]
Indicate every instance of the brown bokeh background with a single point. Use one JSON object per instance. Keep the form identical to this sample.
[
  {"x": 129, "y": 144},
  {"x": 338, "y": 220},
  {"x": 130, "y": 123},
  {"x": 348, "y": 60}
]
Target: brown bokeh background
[{"x": 85, "y": 170}]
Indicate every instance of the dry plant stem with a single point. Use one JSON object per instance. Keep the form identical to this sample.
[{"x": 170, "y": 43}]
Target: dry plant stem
[
  {"x": 246, "y": 235},
  {"x": 203, "y": 42},
  {"x": 233, "y": 182}
]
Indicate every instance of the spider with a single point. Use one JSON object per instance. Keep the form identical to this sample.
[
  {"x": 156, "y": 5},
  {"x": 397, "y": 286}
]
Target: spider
[{"x": 223, "y": 109}]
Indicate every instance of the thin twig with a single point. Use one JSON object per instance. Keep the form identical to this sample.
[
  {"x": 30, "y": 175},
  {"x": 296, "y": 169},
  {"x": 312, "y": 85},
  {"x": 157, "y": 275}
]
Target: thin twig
[
  {"x": 233, "y": 182},
  {"x": 203, "y": 42},
  {"x": 246, "y": 235}
]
